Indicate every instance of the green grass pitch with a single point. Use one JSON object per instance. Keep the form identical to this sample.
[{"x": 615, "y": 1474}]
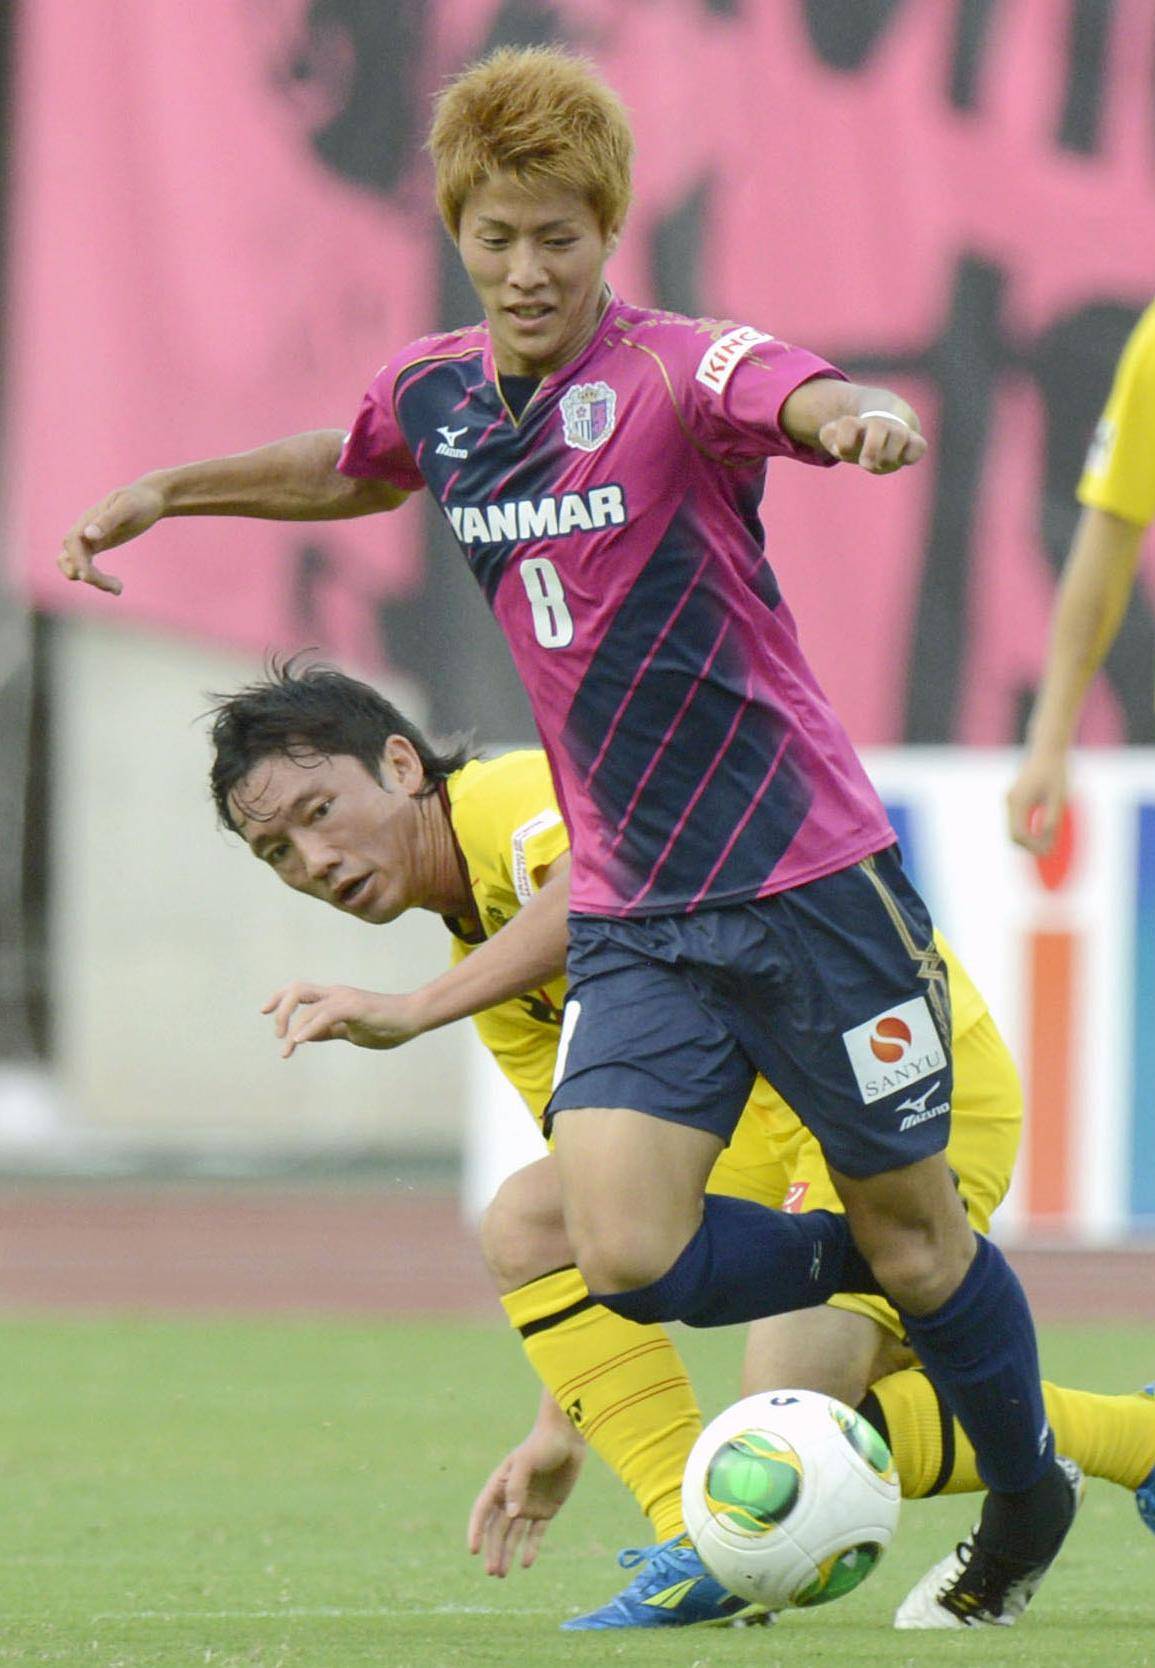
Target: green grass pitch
[{"x": 294, "y": 1495}]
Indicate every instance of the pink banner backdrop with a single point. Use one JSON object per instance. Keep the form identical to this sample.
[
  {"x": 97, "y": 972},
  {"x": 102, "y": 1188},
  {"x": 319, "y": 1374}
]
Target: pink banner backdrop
[{"x": 222, "y": 224}]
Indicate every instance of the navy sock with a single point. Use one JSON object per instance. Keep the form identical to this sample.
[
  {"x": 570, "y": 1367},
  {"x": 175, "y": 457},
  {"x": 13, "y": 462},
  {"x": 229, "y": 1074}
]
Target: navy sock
[
  {"x": 980, "y": 1354},
  {"x": 746, "y": 1261}
]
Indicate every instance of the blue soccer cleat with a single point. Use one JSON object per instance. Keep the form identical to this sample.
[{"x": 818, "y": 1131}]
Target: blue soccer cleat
[
  {"x": 1145, "y": 1493},
  {"x": 672, "y": 1588}
]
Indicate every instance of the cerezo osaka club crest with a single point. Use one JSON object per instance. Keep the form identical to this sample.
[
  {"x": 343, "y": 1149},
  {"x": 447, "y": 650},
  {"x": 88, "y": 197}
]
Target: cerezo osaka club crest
[{"x": 587, "y": 412}]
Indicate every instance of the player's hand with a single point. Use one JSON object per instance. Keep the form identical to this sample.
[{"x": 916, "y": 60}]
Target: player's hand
[
  {"x": 123, "y": 515},
  {"x": 1036, "y": 802},
  {"x": 304, "y": 1013},
  {"x": 878, "y": 443},
  {"x": 529, "y": 1487}
]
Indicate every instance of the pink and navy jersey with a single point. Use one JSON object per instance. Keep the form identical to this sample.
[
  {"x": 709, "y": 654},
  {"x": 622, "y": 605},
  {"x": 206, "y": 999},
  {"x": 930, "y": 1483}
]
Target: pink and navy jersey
[{"x": 615, "y": 531}]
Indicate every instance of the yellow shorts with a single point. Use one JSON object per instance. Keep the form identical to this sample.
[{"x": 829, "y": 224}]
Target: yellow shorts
[{"x": 774, "y": 1160}]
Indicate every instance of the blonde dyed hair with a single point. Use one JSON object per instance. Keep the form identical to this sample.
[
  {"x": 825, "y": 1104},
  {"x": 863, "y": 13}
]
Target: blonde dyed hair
[{"x": 540, "y": 114}]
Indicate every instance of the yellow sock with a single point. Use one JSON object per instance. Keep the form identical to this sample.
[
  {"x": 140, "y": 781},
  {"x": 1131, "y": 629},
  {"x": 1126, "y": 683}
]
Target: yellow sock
[
  {"x": 924, "y": 1439},
  {"x": 1109, "y": 1436},
  {"x": 623, "y": 1386}
]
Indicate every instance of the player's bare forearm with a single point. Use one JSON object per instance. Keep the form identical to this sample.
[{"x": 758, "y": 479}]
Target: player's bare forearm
[
  {"x": 553, "y": 1423},
  {"x": 1092, "y": 600},
  {"x": 528, "y": 952},
  {"x": 295, "y": 479},
  {"x": 873, "y": 427}
]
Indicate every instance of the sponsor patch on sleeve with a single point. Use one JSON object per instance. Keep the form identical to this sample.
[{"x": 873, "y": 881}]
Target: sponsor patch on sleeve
[
  {"x": 896, "y": 1048},
  {"x": 1101, "y": 447},
  {"x": 717, "y": 364},
  {"x": 522, "y": 877}
]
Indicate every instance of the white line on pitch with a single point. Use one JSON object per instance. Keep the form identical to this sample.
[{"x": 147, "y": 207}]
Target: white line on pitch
[{"x": 297, "y": 1613}]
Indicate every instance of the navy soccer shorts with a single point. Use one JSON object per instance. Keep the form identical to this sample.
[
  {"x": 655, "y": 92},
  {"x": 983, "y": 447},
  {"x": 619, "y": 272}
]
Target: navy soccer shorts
[{"x": 834, "y": 991}]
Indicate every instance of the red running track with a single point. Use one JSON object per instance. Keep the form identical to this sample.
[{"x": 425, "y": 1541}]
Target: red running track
[{"x": 356, "y": 1252}]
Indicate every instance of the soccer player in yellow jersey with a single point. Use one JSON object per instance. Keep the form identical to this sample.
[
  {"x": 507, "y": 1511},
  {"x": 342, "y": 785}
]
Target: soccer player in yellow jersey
[
  {"x": 1117, "y": 490},
  {"x": 347, "y": 802}
]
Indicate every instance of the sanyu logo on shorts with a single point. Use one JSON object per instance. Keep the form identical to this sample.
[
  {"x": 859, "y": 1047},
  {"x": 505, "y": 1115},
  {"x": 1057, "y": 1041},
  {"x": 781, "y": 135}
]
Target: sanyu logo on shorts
[{"x": 893, "y": 1051}]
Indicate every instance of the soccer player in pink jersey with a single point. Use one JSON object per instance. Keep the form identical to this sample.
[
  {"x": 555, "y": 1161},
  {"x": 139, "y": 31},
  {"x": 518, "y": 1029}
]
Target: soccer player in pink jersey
[{"x": 737, "y": 900}]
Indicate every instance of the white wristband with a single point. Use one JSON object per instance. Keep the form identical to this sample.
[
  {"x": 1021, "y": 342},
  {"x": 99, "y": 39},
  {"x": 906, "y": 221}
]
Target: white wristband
[{"x": 892, "y": 415}]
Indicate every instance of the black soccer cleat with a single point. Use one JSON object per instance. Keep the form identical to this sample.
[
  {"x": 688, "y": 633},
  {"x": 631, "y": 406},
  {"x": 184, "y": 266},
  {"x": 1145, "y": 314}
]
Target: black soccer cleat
[{"x": 974, "y": 1587}]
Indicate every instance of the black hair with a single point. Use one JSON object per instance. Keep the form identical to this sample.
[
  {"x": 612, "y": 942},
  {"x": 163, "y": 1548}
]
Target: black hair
[{"x": 298, "y": 710}]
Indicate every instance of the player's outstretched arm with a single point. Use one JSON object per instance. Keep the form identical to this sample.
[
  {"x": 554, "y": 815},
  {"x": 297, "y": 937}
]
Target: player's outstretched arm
[
  {"x": 1092, "y": 600},
  {"x": 871, "y": 427},
  {"x": 526, "y": 1491},
  {"x": 529, "y": 951},
  {"x": 290, "y": 480}
]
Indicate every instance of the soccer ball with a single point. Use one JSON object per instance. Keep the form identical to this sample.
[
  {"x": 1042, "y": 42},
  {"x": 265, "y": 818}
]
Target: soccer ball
[{"x": 790, "y": 1498}]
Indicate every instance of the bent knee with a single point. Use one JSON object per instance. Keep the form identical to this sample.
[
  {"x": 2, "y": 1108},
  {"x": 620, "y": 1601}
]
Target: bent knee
[
  {"x": 911, "y": 1227},
  {"x": 523, "y": 1232},
  {"x": 920, "y": 1269},
  {"x": 624, "y": 1262}
]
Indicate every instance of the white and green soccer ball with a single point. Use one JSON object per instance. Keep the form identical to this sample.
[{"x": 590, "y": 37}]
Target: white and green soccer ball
[{"x": 790, "y": 1498}]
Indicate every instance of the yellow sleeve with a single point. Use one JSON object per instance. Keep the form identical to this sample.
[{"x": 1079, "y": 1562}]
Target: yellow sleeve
[
  {"x": 1119, "y": 474},
  {"x": 534, "y": 846},
  {"x": 510, "y": 831},
  {"x": 507, "y": 821},
  {"x": 966, "y": 1002}
]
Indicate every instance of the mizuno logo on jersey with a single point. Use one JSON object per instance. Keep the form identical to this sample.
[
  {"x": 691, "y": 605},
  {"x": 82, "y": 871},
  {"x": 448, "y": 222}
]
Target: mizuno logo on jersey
[
  {"x": 538, "y": 518},
  {"x": 449, "y": 447}
]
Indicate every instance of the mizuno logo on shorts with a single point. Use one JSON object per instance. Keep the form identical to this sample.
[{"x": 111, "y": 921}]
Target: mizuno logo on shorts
[{"x": 918, "y": 1112}]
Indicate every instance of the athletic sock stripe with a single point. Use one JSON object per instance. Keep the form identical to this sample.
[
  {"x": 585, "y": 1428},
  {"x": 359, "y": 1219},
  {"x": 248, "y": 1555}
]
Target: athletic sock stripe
[
  {"x": 626, "y": 1402},
  {"x": 946, "y": 1437},
  {"x": 563, "y": 1268},
  {"x": 626, "y": 1359},
  {"x": 546, "y": 1321}
]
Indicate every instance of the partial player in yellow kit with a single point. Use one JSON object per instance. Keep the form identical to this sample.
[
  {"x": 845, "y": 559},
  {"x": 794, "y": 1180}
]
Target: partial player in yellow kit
[
  {"x": 1117, "y": 491},
  {"x": 623, "y": 1386},
  {"x": 1117, "y": 475},
  {"x": 343, "y": 798}
]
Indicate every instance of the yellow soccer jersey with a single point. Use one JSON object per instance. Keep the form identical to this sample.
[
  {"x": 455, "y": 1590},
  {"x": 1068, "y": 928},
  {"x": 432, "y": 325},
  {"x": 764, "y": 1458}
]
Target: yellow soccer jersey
[
  {"x": 1119, "y": 474},
  {"x": 966, "y": 1002},
  {"x": 509, "y": 829}
]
